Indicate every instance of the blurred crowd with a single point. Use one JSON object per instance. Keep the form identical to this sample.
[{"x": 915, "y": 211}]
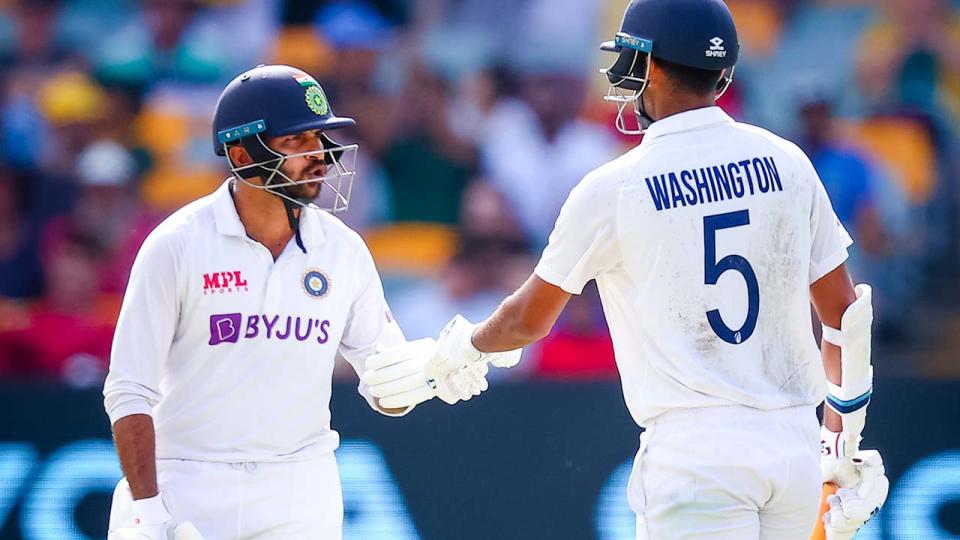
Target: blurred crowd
[{"x": 474, "y": 118}]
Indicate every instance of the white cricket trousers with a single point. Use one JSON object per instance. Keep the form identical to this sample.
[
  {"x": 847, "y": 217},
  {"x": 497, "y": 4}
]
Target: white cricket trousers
[
  {"x": 249, "y": 500},
  {"x": 727, "y": 473}
]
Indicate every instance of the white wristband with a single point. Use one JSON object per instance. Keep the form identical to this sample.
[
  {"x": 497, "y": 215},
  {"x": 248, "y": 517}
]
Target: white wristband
[
  {"x": 150, "y": 511},
  {"x": 456, "y": 343}
]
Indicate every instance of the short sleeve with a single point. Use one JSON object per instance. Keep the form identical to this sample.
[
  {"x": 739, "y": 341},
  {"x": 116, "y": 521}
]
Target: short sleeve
[
  {"x": 370, "y": 324},
  {"x": 583, "y": 243},
  {"x": 145, "y": 330},
  {"x": 829, "y": 239}
]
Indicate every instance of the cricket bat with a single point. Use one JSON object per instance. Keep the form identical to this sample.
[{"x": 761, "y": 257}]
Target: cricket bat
[{"x": 829, "y": 488}]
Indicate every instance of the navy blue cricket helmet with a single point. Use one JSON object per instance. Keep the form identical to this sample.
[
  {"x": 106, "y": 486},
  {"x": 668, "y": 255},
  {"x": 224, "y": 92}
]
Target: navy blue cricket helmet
[
  {"x": 698, "y": 34},
  {"x": 272, "y": 101},
  {"x": 275, "y": 100}
]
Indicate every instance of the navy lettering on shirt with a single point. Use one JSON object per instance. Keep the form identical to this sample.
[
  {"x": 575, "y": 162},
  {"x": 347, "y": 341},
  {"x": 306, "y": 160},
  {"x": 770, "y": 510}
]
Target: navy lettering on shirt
[{"x": 714, "y": 183}]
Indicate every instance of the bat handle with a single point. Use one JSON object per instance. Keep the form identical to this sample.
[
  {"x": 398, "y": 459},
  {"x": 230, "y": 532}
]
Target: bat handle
[{"x": 829, "y": 488}]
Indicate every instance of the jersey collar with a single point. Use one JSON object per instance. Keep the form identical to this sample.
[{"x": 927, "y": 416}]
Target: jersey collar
[
  {"x": 311, "y": 230},
  {"x": 686, "y": 121},
  {"x": 225, "y": 212},
  {"x": 229, "y": 224}
]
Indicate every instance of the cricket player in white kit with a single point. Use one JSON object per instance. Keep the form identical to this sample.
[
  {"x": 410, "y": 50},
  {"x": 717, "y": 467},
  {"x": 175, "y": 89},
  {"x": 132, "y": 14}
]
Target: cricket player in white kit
[
  {"x": 237, "y": 306},
  {"x": 708, "y": 242}
]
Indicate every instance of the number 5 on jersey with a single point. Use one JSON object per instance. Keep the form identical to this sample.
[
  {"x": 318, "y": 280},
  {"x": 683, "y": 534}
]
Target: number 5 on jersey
[{"x": 713, "y": 269}]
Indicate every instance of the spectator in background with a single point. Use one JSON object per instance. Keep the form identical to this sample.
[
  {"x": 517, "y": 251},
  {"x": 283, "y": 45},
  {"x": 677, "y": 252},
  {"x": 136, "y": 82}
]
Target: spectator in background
[
  {"x": 536, "y": 154},
  {"x": 23, "y": 129},
  {"x": 909, "y": 60},
  {"x": 75, "y": 108},
  {"x": 162, "y": 43},
  {"x": 427, "y": 165},
  {"x": 19, "y": 257},
  {"x": 911, "y": 56},
  {"x": 396, "y": 12},
  {"x": 36, "y": 44},
  {"x": 108, "y": 210},
  {"x": 63, "y": 336},
  {"x": 491, "y": 260},
  {"x": 865, "y": 202},
  {"x": 579, "y": 346},
  {"x": 847, "y": 175},
  {"x": 359, "y": 36},
  {"x": 485, "y": 99}
]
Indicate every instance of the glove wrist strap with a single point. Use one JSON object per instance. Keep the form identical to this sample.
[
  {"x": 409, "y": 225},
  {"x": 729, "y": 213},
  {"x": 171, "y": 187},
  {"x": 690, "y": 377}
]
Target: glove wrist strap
[
  {"x": 150, "y": 511},
  {"x": 831, "y": 444},
  {"x": 468, "y": 347}
]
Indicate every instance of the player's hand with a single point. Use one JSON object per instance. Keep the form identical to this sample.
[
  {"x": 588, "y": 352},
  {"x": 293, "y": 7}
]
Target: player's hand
[
  {"x": 455, "y": 349},
  {"x": 152, "y": 521},
  {"x": 851, "y": 507},
  {"x": 836, "y": 460},
  {"x": 406, "y": 375}
]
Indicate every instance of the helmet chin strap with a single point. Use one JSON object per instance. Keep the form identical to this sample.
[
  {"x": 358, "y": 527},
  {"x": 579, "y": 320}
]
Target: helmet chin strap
[{"x": 644, "y": 120}]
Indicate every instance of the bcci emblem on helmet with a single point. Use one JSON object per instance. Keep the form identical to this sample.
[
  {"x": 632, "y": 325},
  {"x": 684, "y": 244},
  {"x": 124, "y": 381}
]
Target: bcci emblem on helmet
[
  {"x": 316, "y": 100},
  {"x": 316, "y": 283}
]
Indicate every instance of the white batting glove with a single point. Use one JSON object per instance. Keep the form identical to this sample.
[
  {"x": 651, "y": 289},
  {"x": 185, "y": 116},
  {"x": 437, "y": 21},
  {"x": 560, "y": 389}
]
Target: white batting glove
[
  {"x": 852, "y": 507},
  {"x": 455, "y": 348},
  {"x": 152, "y": 521},
  {"x": 405, "y": 375},
  {"x": 836, "y": 460}
]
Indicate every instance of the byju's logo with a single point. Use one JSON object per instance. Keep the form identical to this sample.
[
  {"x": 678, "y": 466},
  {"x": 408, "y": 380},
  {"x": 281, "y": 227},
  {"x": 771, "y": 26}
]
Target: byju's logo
[
  {"x": 225, "y": 328},
  {"x": 224, "y": 282},
  {"x": 716, "y": 49}
]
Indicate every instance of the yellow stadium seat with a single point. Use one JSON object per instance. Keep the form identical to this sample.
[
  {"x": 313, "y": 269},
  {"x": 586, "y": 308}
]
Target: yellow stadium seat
[
  {"x": 164, "y": 131},
  {"x": 420, "y": 249},
  {"x": 758, "y": 25},
  {"x": 72, "y": 97},
  {"x": 904, "y": 147},
  {"x": 167, "y": 188},
  {"x": 300, "y": 46}
]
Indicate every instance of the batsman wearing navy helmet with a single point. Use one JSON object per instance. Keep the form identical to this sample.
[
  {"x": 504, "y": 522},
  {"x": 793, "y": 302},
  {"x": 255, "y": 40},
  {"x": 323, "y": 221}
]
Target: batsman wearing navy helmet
[
  {"x": 237, "y": 307},
  {"x": 708, "y": 242}
]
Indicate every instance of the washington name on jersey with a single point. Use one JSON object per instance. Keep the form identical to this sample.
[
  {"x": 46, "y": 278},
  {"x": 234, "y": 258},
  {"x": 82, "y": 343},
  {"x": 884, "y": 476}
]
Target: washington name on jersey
[{"x": 714, "y": 183}]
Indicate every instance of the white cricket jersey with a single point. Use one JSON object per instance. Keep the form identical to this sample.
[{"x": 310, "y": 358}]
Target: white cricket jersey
[
  {"x": 704, "y": 241},
  {"x": 231, "y": 352}
]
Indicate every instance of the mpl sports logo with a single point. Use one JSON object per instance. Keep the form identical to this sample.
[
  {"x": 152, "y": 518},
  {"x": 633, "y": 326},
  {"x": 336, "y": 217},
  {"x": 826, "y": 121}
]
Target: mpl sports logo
[
  {"x": 231, "y": 327},
  {"x": 716, "y": 50},
  {"x": 224, "y": 282}
]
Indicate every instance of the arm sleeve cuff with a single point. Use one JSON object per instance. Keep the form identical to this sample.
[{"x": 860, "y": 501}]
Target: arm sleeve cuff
[
  {"x": 554, "y": 278},
  {"x": 125, "y": 405},
  {"x": 827, "y": 264}
]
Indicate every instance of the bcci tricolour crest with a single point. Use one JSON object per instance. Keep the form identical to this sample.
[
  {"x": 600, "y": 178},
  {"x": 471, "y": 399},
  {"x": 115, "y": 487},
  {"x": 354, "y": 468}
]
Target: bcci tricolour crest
[{"x": 317, "y": 101}]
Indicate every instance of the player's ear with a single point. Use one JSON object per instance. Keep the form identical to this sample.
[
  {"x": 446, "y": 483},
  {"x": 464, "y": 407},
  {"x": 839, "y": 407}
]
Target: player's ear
[
  {"x": 655, "y": 74},
  {"x": 238, "y": 155}
]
